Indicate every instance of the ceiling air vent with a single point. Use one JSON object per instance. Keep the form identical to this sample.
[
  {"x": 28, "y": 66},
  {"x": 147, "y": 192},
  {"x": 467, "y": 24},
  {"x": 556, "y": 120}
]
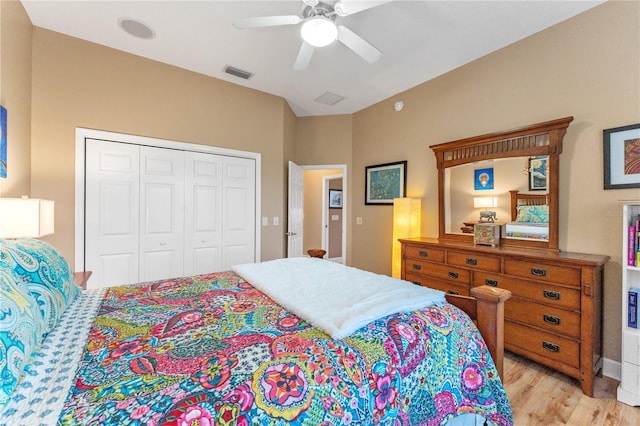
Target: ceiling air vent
[
  {"x": 238, "y": 72},
  {"x": 329, "y": 98}
]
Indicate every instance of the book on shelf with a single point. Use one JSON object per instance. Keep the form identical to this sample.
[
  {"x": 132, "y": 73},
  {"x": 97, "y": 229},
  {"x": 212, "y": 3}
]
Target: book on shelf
[
  {"x": 632, "y": 307},
  {"x": 631, "y": 250},
  {"x": 633, "y": 242}
]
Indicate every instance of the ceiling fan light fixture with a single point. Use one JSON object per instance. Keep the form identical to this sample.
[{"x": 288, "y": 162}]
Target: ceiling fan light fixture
[{"x": 319, "y": 31}]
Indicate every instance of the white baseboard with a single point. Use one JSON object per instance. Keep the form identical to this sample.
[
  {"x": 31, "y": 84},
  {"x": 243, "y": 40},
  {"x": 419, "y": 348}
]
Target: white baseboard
[{"x": 612, "y": 369}]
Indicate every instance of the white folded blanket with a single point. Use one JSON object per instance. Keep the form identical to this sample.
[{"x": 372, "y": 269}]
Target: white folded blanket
[{"x": 332, "y": 297}]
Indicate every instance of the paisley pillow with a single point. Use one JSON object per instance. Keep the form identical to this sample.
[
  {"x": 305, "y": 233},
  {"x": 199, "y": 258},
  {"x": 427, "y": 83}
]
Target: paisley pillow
[
  {"x": 21, "y": 328},
  {"x": 533, "y": 214},
  {"x": 46, "y": 273}
]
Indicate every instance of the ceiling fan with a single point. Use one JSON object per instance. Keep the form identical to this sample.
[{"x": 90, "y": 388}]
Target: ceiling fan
[{"x": 319, "y": 28}]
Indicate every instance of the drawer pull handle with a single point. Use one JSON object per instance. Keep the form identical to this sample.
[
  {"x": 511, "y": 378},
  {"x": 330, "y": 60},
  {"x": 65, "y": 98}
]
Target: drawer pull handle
[
  {"x": 551, "y": 319},
  {"x": 539, "y": 272},
  {"x": 471, "y": 261},
  {"x": 452, "y": 292},
  {"x": 416, "y": 266},
  {"x": 453, "y": 274},
  {"x": 491, "y": 283},
  {"x": 553, "y": 295},
  {"x": 423, "y": 253},
  {"x": 550, "y": 346}
]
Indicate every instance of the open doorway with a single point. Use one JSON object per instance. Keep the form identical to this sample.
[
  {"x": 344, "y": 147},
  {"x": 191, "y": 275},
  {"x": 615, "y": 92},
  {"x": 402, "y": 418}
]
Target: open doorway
[{"x": 319, "y": 226}]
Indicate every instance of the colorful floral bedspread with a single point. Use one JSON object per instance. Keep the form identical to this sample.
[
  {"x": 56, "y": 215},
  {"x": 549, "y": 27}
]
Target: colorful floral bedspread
[{"x": 211, "y": 349}]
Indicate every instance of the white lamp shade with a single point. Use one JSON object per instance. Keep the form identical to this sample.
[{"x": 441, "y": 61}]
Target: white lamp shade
[
  {"x": 26, "y": 217},
  {"x": 319, "y": 31},
  {"x": 484, "y": 202},
  {"x": 406, "y": 224}
]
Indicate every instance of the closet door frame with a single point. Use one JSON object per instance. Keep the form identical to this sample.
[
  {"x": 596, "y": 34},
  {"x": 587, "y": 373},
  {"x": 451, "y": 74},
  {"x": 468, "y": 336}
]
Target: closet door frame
[{"x": 82, "y": 134}]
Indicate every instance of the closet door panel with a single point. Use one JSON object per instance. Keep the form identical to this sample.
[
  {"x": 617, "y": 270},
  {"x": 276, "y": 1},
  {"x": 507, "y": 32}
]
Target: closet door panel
[
  {"x": 111, "y": 213},
  {"x": 238, "y": 207},
  {"x": 162, "y": 218},
  {"x": 203, "y": 221}
]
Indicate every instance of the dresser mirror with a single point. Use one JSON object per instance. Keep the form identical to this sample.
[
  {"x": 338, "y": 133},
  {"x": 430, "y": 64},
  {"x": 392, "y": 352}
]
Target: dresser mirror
[
  {"x": 499, "y": 173},
  {"x": 463, "y": 202}
]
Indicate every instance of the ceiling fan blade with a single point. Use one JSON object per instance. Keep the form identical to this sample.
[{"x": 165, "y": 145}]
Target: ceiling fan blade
[
  {"x": 266, "y": 21},
  {"x": 349, "y": 7},
  {"x": 359, "y": 45},
  {"x": 304, "y": 57}
]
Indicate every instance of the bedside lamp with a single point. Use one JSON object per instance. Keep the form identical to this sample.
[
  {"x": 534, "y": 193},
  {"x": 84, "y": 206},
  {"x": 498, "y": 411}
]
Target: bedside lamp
[
  {"x": 26, "y": 217},
  {"x": 484, "y": 203},
  {"x": 406, "y": 224}
]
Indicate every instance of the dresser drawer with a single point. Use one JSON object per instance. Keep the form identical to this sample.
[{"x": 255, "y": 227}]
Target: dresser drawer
[
  {"x": 471, "y": 260},
  {"x": 546, "y": 345},
  {"x": 443, "y": 272},
  {"x": 548, "y": 294},
  {"x": 446, "y": 286},
  {"x": 543, "y": 272},
  {"x": 546, "y": 317},
  {"x": 430, "y": 254}
]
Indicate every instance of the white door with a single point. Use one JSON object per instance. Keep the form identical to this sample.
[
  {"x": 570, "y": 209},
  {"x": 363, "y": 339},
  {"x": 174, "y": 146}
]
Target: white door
[
  {"x": 112, "y": 213},
  {"x": 238, "y": 211},
  {"x": 162, "y": 213},
  {"x": 295, "y": 221},
  {"x": 203, "y": 215}
]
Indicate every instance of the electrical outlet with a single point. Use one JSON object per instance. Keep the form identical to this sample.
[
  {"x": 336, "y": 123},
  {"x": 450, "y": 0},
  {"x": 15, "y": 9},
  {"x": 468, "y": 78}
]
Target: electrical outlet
[
  {"x": 276, "y": 221},
  {"x": 265, "y": 221}
]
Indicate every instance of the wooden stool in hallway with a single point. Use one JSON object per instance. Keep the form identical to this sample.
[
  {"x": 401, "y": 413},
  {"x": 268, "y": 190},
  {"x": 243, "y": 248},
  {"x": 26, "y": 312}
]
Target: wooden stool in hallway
[{"x": 319, "y": 253}]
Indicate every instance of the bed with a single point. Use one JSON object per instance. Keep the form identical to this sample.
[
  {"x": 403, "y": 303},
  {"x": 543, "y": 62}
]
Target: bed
[
  {"x": 216, "y": 349},
  {"x": 529, "y": 217}
]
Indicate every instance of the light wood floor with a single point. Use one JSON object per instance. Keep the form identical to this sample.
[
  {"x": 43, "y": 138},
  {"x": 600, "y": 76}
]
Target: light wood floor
[{"x": 540, "y": 396}]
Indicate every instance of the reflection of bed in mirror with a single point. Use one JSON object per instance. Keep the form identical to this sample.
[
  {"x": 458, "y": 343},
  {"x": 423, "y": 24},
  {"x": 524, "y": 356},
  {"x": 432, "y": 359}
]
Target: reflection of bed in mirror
[
  {"x": 529, "y": 217},
  {"x": 518, "y": 200}
]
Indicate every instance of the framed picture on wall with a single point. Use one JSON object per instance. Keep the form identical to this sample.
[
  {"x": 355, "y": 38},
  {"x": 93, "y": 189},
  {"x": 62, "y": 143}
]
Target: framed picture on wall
[
  {"x": 384, "y": 182},
  {"x": 483, "y": 179},
  {"x": 538, "y": 173},
  {"x": 621, "y": 157},
  {"x": 335, "y": 198}
]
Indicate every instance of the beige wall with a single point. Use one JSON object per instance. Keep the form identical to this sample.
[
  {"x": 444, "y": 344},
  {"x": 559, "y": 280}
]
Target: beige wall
[
  {"x": 81, "y": 84},
  {"x": 15, "y": 96},
  {"x": 587, "y": 67}
]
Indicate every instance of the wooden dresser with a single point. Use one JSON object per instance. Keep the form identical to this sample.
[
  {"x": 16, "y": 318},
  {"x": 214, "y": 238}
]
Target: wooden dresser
[{"x": 555, "y": 314}]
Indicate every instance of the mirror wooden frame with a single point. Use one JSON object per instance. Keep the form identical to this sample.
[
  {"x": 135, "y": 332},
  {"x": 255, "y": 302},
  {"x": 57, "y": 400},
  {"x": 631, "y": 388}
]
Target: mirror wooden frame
[{"x": 533, "y": 140}]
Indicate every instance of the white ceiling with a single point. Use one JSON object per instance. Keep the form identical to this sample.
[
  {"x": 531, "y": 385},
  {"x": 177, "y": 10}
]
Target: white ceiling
[{"x": 419, "y": 40}]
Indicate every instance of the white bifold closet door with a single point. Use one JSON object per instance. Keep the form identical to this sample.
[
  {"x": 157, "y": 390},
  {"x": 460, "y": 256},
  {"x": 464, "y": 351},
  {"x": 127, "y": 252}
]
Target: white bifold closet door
[
  {"x": 112, "y": 213},
  {"x": 155, "y": 213},
  {"x": 162, "y": 210}
]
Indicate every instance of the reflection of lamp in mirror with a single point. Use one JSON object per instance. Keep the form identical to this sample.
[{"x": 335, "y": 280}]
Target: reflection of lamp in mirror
[
  {"x": 26, "y": 217},
  {"x": 485, "y": 203},
  {"x": 406, "y": 224}
]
